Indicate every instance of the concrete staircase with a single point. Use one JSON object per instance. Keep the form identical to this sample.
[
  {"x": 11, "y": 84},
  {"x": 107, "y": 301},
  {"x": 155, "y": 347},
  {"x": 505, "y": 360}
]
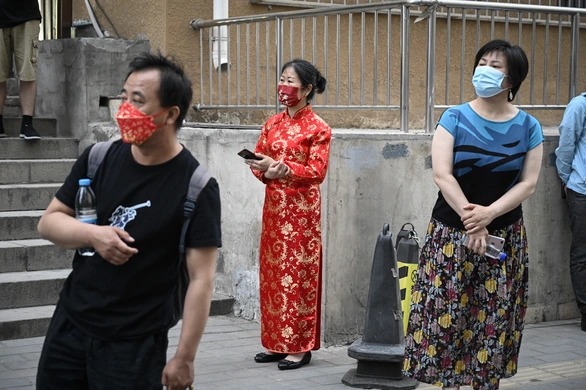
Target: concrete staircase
[{"x": 32, "y": 270}]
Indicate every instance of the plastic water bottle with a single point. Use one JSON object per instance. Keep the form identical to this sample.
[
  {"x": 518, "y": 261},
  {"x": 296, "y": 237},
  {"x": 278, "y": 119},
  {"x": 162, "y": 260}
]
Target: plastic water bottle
[
  {"x": 85, "y": 210},
  {"x": 491, "y": 250}
]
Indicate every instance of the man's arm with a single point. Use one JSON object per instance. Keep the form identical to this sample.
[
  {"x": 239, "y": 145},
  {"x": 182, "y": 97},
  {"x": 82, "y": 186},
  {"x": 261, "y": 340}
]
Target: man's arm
[
  {"x": 201, "y": 264},
  {"x": 59, "y": 226},
  {"x": 570, "y": 130}
]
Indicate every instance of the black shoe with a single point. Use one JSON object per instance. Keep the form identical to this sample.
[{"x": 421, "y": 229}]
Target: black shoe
[
  {"x": 289, "y": 365},
  {"x": 264, "y": 357},
  {"x": 29, "y": 132},
  {"x": 584, "y": 322},
  {"x": 2, "y": 133}
]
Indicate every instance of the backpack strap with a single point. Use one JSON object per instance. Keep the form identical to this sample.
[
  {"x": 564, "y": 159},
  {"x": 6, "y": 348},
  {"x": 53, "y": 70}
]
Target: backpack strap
[
  {"x": 199, "y": 179},
  {"x": 97, "y": 154}
]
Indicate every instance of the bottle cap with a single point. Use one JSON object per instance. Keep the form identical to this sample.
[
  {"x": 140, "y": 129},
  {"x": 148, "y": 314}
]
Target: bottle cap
[
  {"x": 502, "y": 256},
  {"x": 84, "y": 182}
]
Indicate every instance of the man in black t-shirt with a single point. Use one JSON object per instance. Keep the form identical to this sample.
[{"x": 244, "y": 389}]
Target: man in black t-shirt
[
  {"x": 19, "y": 35},
  {"x": 110, "y": 326}
]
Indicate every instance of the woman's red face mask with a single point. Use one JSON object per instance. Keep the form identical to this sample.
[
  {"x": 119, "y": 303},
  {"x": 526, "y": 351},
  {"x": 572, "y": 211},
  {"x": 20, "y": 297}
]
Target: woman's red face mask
[{"x": 288, "y": 95}]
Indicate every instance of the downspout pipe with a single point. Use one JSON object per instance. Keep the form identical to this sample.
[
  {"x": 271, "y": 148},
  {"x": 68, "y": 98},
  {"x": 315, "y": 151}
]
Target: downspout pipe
[
  {"x": 220, "y": 36},
  {"x": 95, "y": 23}
]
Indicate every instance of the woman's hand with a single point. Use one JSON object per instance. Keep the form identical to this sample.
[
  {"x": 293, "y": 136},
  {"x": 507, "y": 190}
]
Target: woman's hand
[
  {"x": 277, "y": 170},
  {"x": 477, "y": 241},
  {"x": 477, "y": 217},
  {"x": 260, "y": 165}
]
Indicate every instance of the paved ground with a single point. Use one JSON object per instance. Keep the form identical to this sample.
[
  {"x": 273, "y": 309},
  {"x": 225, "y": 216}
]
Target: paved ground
[{"x": 553, "y": 357}]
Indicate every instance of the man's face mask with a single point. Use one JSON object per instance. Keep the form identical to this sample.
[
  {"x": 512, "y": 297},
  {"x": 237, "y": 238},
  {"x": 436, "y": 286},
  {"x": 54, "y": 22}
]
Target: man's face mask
[
  {"x": 288, "y": 95},
  {"x": 487, "y": 81},
  {"x": 135, "y": 126}
]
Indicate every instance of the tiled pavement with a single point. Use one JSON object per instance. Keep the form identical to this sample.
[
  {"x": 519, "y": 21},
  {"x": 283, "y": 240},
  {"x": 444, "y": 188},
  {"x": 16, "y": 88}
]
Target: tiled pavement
[{"x": 553, "y": 357}]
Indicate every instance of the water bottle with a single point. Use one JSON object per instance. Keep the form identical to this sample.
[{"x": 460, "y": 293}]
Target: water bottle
[
  {"x": 491, "y": 250},
  {"x": 85, "y": 210}
]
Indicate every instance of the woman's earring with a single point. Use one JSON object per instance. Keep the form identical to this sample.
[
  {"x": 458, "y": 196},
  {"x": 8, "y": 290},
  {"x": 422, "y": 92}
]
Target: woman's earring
[{"x": 511, "y": 95}]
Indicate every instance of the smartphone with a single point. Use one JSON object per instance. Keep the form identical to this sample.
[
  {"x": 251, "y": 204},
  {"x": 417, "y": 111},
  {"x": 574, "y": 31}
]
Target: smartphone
[{"x": 247, "y": 154}]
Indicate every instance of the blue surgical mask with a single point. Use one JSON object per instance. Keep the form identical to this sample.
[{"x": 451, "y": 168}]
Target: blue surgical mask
[{"x": 487, "y": 81}]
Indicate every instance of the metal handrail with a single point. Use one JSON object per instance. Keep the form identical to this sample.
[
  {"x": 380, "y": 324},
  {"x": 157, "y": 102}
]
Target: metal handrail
[{"x": 404, "y": 7}]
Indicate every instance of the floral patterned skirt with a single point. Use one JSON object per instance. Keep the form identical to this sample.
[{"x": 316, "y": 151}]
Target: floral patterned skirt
[{"x": 467, "y": 311}]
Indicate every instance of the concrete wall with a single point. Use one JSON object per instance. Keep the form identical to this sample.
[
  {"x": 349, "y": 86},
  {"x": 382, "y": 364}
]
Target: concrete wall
[
  {"x": 72, "y": 75},
  {"x": 375, "y": 177}
]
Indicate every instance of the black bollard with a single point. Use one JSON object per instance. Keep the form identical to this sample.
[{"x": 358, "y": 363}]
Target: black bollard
[{"x": 380, "y": 351}]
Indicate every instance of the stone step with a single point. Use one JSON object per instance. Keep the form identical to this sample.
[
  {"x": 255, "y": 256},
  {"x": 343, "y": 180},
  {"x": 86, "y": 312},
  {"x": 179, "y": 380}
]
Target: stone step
[
  {"x": 35, "y": 171},
  {"x": 19, "y": 225},
  {"x": 12, "y": 108},
  {"x": 46, "y": 148},
  {"x": 25, "y": 322},
  {"x": 32, "y": 288},
  {"x": 12, "y": 87},
  {"x": 33, "y": 321},
  {"x": 14, "y": 197},
  {"x": 33, "y": 255},
  {"x": 46, "y": 127}
]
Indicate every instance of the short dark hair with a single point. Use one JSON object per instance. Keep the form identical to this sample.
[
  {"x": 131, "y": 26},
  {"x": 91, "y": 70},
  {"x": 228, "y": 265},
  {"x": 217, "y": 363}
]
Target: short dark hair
[
  {"x": 517, "y": 61},
  {"x": 175, "y": 88},
  {"x": 308, "y": 74}
]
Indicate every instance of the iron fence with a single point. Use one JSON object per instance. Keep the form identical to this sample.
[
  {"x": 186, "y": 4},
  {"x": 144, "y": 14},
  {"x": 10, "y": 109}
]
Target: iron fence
[{"x": 365, "y": 52}]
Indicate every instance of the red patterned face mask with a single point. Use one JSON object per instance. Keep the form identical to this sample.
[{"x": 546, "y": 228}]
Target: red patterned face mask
[
  {"x": 288, "y": 96},
  {"x": 135, "y": 126}
]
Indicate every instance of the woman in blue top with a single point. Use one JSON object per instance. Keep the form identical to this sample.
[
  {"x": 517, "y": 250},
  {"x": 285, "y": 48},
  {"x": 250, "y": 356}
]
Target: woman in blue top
[{"x": 468, "y": 310}]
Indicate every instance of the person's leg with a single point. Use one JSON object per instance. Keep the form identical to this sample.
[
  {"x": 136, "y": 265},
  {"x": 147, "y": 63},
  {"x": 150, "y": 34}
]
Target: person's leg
[
  {"x": 577, "y": 206},
  {"x": 2, "y": 100},
  {"x": 26, "y": 47},
  {"x": 5, "y": 63},
  {"x": 62, "y": 363},
  {"x": 28, "y": 97},
  {"x": 128, "y": 364}
]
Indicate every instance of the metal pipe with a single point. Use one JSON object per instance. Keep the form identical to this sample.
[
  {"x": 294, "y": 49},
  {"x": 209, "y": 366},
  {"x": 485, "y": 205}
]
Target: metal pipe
[
  {"x": 405, "y": 24},
  {"x": 325, "y": 69},
  {"x": 546, "y": 58},
  {"x": 430, "y": 89},
  {"x": 462, "y": 56},
  {"x": 257, "y": 45},
  {"x": 279, "y": 57},
  {"x": 389, "y": 57},
  {"x": 349, "y": 59},
  {"x": 362, "y": 33},
  {"x": 533, "y": 42},
  {"x": 238, "y": 63},
  {"x": 337, "y": 60},
  {"x": 375, "y": 70},
  {"x": 268, "y": 72},
  {"x": 448, "y": 55},
  {"x": 574, "y": 49},
  {"x": 247, "y": 64}
]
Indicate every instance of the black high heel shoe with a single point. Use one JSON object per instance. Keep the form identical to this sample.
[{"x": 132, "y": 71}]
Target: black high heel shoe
[
  {"x": 289, "y": 365},
  {"x": 264, "y": 357}
]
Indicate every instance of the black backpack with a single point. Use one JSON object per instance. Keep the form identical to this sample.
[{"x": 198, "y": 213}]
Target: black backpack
[{"x": 198, "y": 181}]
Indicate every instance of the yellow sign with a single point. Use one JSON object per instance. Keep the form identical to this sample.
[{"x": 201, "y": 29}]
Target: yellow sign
[{"x": 407, "y": 276}]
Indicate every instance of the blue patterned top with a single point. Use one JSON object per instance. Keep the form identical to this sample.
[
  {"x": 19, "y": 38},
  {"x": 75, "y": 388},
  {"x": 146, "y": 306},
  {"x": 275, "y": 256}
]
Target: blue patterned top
[{"x": 488, "y": 159}]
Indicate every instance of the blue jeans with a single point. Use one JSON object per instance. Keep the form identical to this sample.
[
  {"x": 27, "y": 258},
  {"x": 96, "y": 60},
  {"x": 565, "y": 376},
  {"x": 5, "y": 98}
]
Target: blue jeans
[
  {"x": 73, "y": 360},
  {"x": 577, "y": 205}
]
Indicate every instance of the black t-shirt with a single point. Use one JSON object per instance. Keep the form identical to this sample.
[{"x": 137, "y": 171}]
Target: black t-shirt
[
  {"x": 135, "y": 299},
  {"x": 15, "y": 12}
]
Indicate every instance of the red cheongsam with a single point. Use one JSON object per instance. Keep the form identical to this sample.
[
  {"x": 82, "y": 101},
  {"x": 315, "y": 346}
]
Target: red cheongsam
[{"x": 290, "y": 243}]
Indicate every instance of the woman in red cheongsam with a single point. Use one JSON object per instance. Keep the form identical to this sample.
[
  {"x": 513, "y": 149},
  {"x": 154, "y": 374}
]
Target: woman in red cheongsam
[{"x": 294, "y": 146}]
